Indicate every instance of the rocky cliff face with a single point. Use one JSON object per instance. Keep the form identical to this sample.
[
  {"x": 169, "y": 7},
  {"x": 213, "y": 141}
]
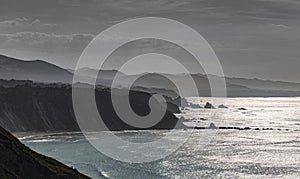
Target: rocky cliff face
[
  {"x": 18, "y": 161},
  {"x": 35, "y": 107}
]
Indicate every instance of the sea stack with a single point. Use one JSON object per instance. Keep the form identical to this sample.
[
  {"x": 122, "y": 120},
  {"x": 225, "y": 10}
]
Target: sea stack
[{"x": 209, "y": 106}]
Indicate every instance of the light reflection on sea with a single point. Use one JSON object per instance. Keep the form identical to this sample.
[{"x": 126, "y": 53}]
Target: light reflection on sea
[{"x": 232, "y": 153}]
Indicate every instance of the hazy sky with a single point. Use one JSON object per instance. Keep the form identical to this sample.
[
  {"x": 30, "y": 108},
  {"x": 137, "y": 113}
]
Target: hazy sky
[{"x": 252, "y": 38}]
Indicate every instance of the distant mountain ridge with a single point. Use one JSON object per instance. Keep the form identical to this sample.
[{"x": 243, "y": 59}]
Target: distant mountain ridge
[
  {"x": 37, "y": 70},
  {"x": 40, "y": 71},
  {"x": 265, "y": 84}
]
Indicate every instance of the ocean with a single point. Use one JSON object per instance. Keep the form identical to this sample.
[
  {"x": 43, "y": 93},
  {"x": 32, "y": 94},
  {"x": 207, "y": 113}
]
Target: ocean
[{"x": 271, "y": 149}]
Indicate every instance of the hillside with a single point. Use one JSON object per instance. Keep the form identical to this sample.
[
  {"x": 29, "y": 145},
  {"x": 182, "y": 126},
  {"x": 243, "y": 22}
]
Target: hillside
[
  {"x": 36, "y": 107},
  {"x": 18, "y": 161},
  {"x": 37, "y": 70}
]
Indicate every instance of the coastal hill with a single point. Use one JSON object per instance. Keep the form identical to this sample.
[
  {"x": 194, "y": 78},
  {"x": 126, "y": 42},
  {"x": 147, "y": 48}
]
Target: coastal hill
[
  {"x": 36, "y": 70},
  {"x": 18, "y": 161},
  {"x": 38, "y": 107}
]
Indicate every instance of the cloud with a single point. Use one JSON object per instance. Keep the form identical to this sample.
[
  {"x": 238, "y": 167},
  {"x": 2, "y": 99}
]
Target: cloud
[
  {"x": 44, "y": 42},
  {"x": 287, "y": 2},
  {"x": 281, "y": 26},
  {"x": 254, "y": 33},
  {"x": 13, "y": 23},
  {"x": 23, "y": 22}
]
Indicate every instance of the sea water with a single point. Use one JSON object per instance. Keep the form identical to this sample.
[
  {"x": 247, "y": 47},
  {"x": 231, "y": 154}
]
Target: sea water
[{"x": 230, "y": 153}]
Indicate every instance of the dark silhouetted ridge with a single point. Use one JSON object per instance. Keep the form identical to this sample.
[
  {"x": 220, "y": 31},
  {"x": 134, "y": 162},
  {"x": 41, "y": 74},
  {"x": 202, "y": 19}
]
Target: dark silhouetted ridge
[{"x": 36, "y": 107}]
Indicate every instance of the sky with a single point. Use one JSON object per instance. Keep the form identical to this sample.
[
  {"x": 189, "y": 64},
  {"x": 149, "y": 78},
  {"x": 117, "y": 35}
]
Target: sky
[{"x": 252, "y": 38}]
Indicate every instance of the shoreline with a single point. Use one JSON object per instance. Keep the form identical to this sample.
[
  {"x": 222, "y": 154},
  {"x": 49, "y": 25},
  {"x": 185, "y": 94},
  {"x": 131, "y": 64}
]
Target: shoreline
[{"x": 23, "y": 135}]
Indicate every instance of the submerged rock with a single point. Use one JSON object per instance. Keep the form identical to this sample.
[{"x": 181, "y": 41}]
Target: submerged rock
[
  {"x": 242, "y": 109},
  {"x": 209, "y": 106},
  {"x": 222, "y": 106},
  {"x": 194, "y": 105},
  {"x": 199, "y": 127}
]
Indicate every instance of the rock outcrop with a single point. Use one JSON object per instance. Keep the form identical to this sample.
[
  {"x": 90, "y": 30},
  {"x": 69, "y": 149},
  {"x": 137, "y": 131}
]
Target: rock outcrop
[
  {"x": 222, "y": 106},
  {"x": 212, "y": 126},
  {"x": 209, "y": 106}
]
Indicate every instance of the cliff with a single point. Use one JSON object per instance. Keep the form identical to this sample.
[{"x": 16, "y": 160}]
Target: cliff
[{"x": 34, "y": 107}]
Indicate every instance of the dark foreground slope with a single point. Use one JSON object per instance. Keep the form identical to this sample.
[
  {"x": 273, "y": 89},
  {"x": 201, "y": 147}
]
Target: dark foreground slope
[
  {"x": 18, "y": 161},
  {"x": 32, "y": 107}
]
